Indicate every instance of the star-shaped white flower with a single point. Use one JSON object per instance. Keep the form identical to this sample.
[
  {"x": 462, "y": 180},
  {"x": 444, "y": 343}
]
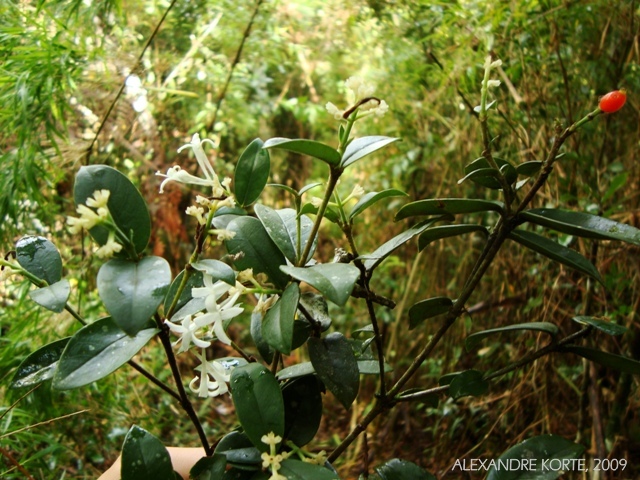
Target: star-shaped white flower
[{"x": 213, "y": 378}]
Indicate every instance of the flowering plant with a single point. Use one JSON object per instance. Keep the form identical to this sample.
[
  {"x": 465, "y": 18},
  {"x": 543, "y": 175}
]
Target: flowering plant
[{"x": 270, "y": 265}]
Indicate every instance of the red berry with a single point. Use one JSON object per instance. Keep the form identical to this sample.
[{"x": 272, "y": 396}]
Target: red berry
[{"x": 613, "y": 101}]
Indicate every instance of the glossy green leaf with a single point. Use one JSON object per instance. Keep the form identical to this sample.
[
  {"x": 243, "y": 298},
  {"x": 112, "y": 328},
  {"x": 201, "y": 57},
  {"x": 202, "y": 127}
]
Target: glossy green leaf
[
  {"x": 450, "y": 206},
  {"x": 40, "y": 258},
  {"x": 126, "y": 205},
  {"x": 317, "y": 307},
  {"x": 488, "y": 177},
  {"x": 606, "y": 359},
  {"x": 540, "y": 453},
  {"x": 54, "y": 297},
  {"x": 306, "y": 147},
  {"x": 444, "y": 231},
  {"x": 258, "y": 401},
  {"x": 217, "y": 269},
  {"x": 281, "y": 226},
  {"x": 602, "y": 325},
  {"x": 277, "y": 326},
  {"x": 302, "y": 409},
  {"x": 39, "y": 366},
  {"x": 194, "y": 280},
  {"x": 239, "y": 452},
  {"x": 556, "y": 252},
  {"x": 334, "y": 280},
  {"x": 298, "y": 470},
  {"x": 363, "y": 146},
  {"x": 301, "y": 332},
  {"x": 265, "y": 351},
  {"x": 252, "y": 173},
  {"x": 209, "y": 468},
  {"x": 546, "y": 327},
  {"x": 368, "y": 199},
  {"x": 482, "y": 173},
  {"x": 330, "y": 213},
  {"x": 372, "y": 260},
  {"x": 95, "y": 351},
  {"x": 468, "y": 383},
  {"x": 335, "y": 363},
  {"x": 529, "y": 169},
  {"x": 132, "y": 291},
  {"x": 144, "y": 457},
  {"x": 256, "y": 250},
  {"x": 396, "y": 469},
  {"x": 296, "y": 371},
  {"x": 428, "y": 308},
  {"x": 582, "y": 224}
]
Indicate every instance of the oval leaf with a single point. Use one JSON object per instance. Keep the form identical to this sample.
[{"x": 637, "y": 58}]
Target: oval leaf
[
  {"x": 54, "y": 297},
  {"x": 396, "y": 469},
  {"x": 217, "y": 269},
  {"x": 306, "y": 147},
  {"x": 40, "y": 258},
  {"x": 546, "y": 327},
  {"x": 602, "y": 325},
  {"x": 468, "y": 383},
  {"x": 370, "y": 198},
  {"x": 556, "y": 252},
  {"x": 529, "y": 169},
  {"x": 482, "y": 173},
  {"x": 334, "y": 280},
  {"x": 451, "y": 206},
  {"x": 144, "y": 457},
  {"x": 582, "y": 224},
  {"x": 95, "y": 351},
  {"x": 256, "y": 250},
  {"x": 126, "y": 205},
  {"x": 132, "y": 291},
  {"x": 302, "y": 409},
  {"x": 444, "y": 231},
  {"x": 40, "y": 365},
  {"x": 252, "y": 173},
  {"x": 297, "y": 470},
  {"x": 361, "y": 147},
  {"x": 277, "y": 326},
  {"x": 335, "y": 363},
  {"x": 282, "y": 227},
  {"x": 605, "y": 359},
  {"x": 258, "y": 401},
  {"x": 428, "y": 308},
  {"x": 537, "y": 452}
]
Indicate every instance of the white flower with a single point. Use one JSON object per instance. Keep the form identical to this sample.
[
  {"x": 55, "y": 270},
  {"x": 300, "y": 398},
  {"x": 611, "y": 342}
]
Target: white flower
[
  {"x": 197, "y": 212},
  {"x": 357, "y": 192},
  {"x": 108, "y": 249},
  {"x": 213, "y": 378},
  {"x": 210, "y": 179},
  {"x": 99, "y": 199},
  {"x": 493, "y": 83},
  {"x": 271, "y": 439},
  {"x": 358, "y": 89},
  {"x": 216, "y": 313},
  {"x": 188, "y": 331},
  {"x": 333, "y": 110},
  {"x": 222, "y": 234},
  {"x": 381, "y": 109},
  {"x": 88, "y": 218}
]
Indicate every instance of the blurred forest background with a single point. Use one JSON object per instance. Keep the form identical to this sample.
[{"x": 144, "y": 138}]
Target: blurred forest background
[{"x": 241, "y": 69}]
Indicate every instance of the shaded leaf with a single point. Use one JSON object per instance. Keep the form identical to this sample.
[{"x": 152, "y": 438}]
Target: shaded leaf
[
  {"x": 209, "y": 468},
  {"x": 444, "y": 231},
  {"x": 217, "y": 269},
  {"x": 95, "y": 351},
  {"x": 335, "y": 363},
  {"x": 556, "y": 252},
  {"x": 605, "y": 359},
  {"x": 298, "y": 470},
  {"x": 40, "y": 258},
  {"x": 396, "y": 469},
  {"x": 363, "y": 146},
  {"x": 54, "y": 297},
  {"x": 450, "y": 206},
  {"x": 251, "y": 174},
  {"x": 482, "y": 173},
  {"x": 265, "y": 351},
  {"x": 317, "y": 307},
  {"x": 602, "y": 325},
  {"x": 39, "y": 366},
  {"x": 546, "y": 327},
  {"x": 282, "y": 226},
  {"x": 468, "y": 383},
  {"x": 306, "y": 147},
  {"x": 302, "y": 409},
  {"x": 277, "y": 326},
  {"x": 330, "y": 212},
  {"x": 371, "y": 198},
  {"x": 428, "y": 308},
  {"x": 334, "y": 280},
  {"x": 144, "y": 457},
  {"x": 529, "y": 169}
]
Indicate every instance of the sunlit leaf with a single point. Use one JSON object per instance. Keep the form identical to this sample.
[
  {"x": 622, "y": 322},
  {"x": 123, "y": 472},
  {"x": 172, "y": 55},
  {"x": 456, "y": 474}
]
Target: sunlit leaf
[
  {"x": 54, "y": 297},
  {"x": 363, "y": 146},
  {"x": 306, "y": 147},
  {"x": 333, "y": 280},
  {"x": 368, "y": 199},
  {"x": 282, "y": 227},
  {"x": 39, "y": 366}
]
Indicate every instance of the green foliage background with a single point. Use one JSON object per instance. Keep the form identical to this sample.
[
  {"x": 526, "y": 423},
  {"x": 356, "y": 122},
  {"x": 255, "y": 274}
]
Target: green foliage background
[{"x": 63, "y": 62}]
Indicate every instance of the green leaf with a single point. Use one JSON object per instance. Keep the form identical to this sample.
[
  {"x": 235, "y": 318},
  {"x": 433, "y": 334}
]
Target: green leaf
[
  {"x": 54, "y": 297},
  {"x": 258, "y": 401},
  {"x": 302, "y": 409},
  {"x": 488, "y": 177},
  {"x": 335, "y": 363},
  {"x": 277, "y": 326},
  {"x": 252, "y": 172},
  {"x": 217, "y": 269},
  {"x": 126, "y": 205},
  {"x": 334, "y": 280},
  {"x": 546, "y": 327},
  {"x": 428, "y": 308},
  {"x": 144, "y": 457},
  {"x": 194, "y": 280},
  {"x": 281, "y": 226},
  {"x": 306, "y": 147},
  {"x": 370, "y": 198},
  {"x": 265, "y": 351},
  {"x": 39, "y": 366},
  {"x": 330, "y": 213},
  {"x": 529, "y": 169},
  {"x": 396, "y": 469},
  {"x": 542, "y": 455},
  {"x": 209, "y": 468},
  {"x": 372, "y": 367},
  {"x": 257, "y": 250},
  {"x": 450, "y": 206},
  {"x": 361, "y": 147},
  {"x": 468, "y": 383},
  {"x": 298, "y": 470},
  {"x": 317, "y": 307},
  {"x": 444, "y": 231},
  {"x": 306, "y": 188},
  {"x": 95, "y": 351},
  {"x": 295, "y": 371},
  {"x": 239, "y": 452},
  {"x": 132, "y": 291},
  {"x": 372, "y": 260},
  {"x": 605, "y": 359},
  {"x": 40, "y": 258},
  {"x": 482, "y": 173},
  {"x": 602, "y": 325},
  {"x": 556, "y": 252},
  {"x": 582, "y": 224}
]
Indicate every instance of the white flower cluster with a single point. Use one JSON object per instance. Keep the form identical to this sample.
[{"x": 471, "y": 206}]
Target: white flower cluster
[
  {"x": 357, "y": 91},
  {"x": 490, "y": 65}
]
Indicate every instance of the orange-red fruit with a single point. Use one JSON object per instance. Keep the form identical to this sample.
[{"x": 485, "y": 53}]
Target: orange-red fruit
[{"x": 613, "y": 101}]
